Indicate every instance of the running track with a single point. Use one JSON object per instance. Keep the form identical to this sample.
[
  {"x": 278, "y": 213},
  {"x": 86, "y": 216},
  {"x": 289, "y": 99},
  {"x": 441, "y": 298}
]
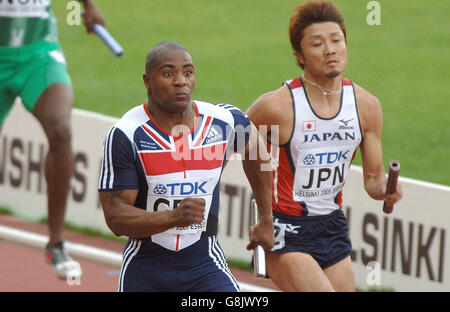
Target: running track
[{"x": 24, "y": 268}]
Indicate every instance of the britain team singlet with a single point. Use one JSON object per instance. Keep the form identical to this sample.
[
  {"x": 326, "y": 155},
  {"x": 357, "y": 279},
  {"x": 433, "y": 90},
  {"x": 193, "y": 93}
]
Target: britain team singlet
[{"x": 139, "y": 155}]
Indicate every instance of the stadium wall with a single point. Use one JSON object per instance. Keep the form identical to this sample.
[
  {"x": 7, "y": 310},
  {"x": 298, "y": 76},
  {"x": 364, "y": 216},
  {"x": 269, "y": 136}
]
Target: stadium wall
[{"x": 408, "y": 250}]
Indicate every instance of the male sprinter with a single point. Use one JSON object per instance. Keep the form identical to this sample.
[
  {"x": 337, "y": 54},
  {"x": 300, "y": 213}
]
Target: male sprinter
[
  {"x": 320, "y": 119},
  {"x": 33, "y": 67},
  {"x": 160, "y": 181}
]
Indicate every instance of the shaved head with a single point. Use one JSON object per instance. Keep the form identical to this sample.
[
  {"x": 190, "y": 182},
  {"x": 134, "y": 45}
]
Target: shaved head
[
  {"x": 160, "y": 50},
  {"x": 169, "y": 78}
]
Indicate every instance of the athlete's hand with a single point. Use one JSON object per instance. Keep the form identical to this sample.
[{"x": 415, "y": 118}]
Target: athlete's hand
[
  {"x": 189, "y": 211},
  {"x": 92, "y": 15},
  {"x": 393, "y": 198},
  {"x": 262, "y": 234}
]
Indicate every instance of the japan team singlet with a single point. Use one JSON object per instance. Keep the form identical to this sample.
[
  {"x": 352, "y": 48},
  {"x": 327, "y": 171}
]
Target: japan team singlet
[
  {"x": 313, "y": 166},
  {"x": 138, "y": 154}
]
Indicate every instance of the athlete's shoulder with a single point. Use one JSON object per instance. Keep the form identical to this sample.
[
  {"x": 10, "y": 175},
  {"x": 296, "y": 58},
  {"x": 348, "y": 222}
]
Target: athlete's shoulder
[
  {"x": 365, "y": 99},
  {"x": 222, "y": 111},
  {"x": 271, "y": 107},
  {"x": 294, "y": 83},
  {"x": 215, "y": 108},
  {"x": 369, "y": 108},
  {"x": 136, "y": 113},
  {"x": 231, "y": 109},
  {"x": 132, "y": 120}
]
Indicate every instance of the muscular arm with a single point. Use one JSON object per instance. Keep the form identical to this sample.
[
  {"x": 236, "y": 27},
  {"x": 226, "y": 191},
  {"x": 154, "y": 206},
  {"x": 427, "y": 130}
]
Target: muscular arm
[
  {"x": 125, "y": 219},
  {"x": 272, "y": 114},
  {"x": 371, "y": 148},
  {"x": 256, "y": 164},
  {"x": 371, "y": 151}
]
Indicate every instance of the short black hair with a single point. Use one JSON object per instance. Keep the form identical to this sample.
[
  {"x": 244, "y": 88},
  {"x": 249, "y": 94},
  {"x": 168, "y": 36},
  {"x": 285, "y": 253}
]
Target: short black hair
[{"x": 158, "y": 50}]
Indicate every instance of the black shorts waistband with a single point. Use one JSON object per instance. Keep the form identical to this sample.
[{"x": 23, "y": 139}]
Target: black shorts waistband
[{"x": 277, "y": 214}]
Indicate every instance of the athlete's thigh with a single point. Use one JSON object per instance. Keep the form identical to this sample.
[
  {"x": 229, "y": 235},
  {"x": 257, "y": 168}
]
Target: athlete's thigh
[
  {"x": 209, "y": 271},
  {"x": 341, "y": 275},
  {"x": 55, "y": 103},
  {"x": 216, "y": 280},
  {"x": 53, "y": 111},
  {"x": 296, "y": 271},
  {"x": 137, "y": 273}
]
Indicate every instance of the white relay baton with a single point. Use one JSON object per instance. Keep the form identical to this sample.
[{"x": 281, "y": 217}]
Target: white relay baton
[
  {"x": 109, "y": 40},
  {"x": 106, "y": 37},
  {"x": 259, "y": 258}
]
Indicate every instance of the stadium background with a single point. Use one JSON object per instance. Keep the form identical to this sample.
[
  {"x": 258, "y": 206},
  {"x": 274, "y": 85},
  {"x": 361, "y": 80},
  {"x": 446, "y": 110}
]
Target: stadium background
[{"x": 242, "y": 50}]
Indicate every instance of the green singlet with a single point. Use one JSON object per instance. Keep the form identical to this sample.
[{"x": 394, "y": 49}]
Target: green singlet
[{"x": 30, "y": 55}]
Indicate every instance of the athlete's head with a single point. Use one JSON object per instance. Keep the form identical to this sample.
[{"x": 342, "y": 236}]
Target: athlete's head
[
  {"x": 318, "y": 37},
  {"x": 169, "y": 76}
]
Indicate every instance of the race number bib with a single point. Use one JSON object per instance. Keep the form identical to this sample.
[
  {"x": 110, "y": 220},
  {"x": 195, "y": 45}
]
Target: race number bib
[
  {"x": 321, "y": 173},
  {"x": 167, "y": 194}
]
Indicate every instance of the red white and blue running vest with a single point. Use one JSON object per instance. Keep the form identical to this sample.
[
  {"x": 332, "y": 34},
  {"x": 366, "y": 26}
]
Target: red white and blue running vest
[{"x": 139, "y": 155}]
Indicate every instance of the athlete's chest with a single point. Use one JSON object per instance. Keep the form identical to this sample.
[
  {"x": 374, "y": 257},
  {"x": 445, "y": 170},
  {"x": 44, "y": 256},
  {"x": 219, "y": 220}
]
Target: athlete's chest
[
  {"x": 203, "y": 149},
  {"x": 326, "y": 126}
]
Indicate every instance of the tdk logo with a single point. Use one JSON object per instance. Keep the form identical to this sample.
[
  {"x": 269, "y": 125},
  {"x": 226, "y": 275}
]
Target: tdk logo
[
  {"x": 325, "y": 158},
  {"x": 185, "y": 188},
  {"x": 309, "y": 160},
  {"x": 160, "y": 189}
]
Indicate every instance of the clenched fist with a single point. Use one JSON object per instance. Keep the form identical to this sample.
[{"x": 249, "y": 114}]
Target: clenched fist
[{"x": 189, "y": 211}]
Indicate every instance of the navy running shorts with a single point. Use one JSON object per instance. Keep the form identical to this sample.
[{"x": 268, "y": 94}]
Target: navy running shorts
[
  {"x": 202, "y": 267},
  {"x": 325, "y": 238}
]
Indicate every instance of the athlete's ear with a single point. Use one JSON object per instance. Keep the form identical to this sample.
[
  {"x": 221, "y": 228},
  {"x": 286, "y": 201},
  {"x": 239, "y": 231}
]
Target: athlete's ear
[
  {"x": 145, "y": 77},
  {"x": 300, "y": 57}
]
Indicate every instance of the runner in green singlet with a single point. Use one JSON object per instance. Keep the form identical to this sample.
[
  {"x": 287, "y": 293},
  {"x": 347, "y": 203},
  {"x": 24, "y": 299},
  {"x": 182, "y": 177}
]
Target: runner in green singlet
[{"x": 33, "y": 67}]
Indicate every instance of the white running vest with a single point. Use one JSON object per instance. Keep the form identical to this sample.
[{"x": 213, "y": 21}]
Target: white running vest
[{"x": 314, "y": 165}]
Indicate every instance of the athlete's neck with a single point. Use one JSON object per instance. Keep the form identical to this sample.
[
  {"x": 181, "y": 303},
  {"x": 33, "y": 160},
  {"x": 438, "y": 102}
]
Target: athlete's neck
[
  {"x": 324, "y": 94},
  {"x": 175, "y": 123},
  {"x": 327, "y": 85}
]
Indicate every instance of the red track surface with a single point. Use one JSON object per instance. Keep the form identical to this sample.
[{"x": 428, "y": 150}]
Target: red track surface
[{"x": 24, "y": 269}]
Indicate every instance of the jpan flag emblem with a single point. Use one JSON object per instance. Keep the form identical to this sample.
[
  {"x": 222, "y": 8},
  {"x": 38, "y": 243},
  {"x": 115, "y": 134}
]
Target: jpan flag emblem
[{"x": 309, "y": 125}]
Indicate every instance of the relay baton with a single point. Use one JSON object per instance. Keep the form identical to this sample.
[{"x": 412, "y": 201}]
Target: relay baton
[
  {"x": 109, "y": 40},
  {"x": 394, "y": 169},
  {"x": 259, "y": 259}
]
